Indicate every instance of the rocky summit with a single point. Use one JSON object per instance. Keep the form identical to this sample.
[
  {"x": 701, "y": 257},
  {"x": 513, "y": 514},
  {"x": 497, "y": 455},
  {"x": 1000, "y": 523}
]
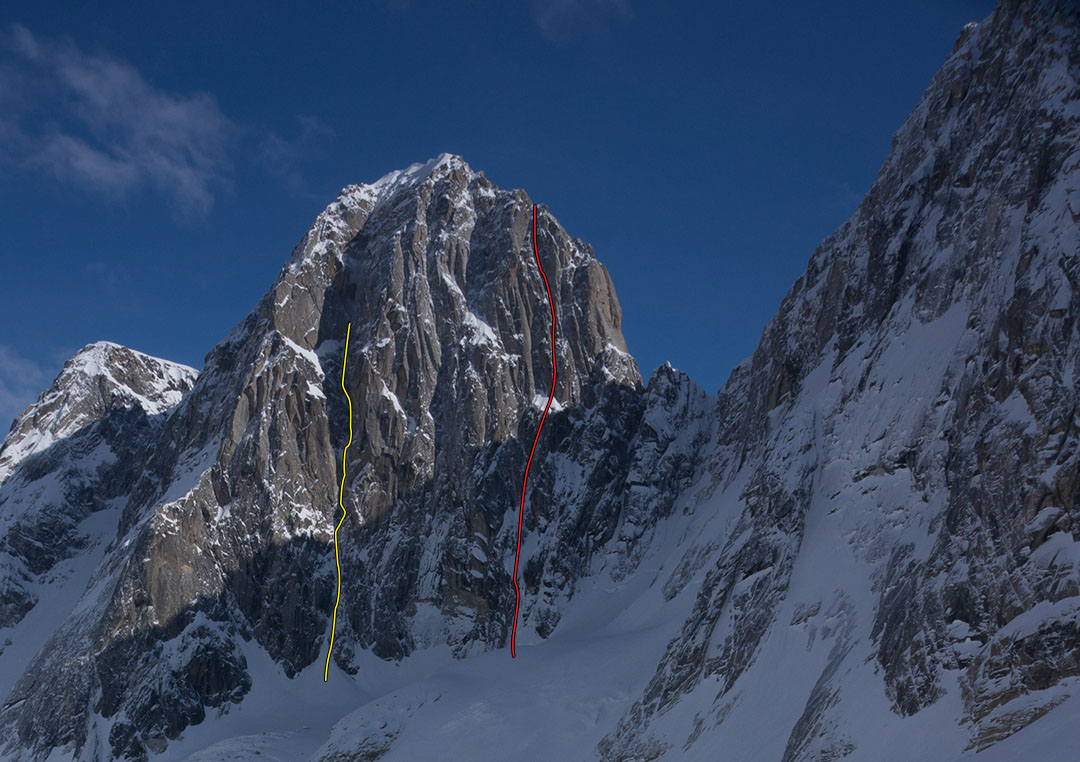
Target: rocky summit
[{"x": 866, "y": 545}]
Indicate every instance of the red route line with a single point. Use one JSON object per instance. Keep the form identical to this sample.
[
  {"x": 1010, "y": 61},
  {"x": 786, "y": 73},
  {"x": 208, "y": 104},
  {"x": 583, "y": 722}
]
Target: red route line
[{"x": 525, "y": 481}]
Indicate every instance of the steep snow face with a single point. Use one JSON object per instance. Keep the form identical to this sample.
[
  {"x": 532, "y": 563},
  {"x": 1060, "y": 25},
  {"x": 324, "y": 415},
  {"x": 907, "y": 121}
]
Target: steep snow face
[{"x": 98, "y": 378}]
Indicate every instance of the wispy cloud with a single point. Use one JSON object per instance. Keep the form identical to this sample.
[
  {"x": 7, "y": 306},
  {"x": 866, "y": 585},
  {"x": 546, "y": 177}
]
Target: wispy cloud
[
  {"x": 561, "y": 18},
  {"x": 21, "y": 380},
  {"x": 283, "y": 158},
  {"x": 93, "y": 121}
]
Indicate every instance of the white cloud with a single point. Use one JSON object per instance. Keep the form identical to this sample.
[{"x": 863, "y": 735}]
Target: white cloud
[
  {"x": 558, "y": 18},
  {"x": 21, "y": 381},
  {"x": 96, "y": 122}
]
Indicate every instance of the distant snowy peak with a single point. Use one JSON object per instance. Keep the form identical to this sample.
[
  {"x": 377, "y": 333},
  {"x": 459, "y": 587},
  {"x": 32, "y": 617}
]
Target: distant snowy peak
[{"x": 100, "y": 377}]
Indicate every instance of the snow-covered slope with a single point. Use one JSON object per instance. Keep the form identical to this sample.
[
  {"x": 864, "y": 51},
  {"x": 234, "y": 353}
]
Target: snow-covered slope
[{"x": 864, "y": 547}]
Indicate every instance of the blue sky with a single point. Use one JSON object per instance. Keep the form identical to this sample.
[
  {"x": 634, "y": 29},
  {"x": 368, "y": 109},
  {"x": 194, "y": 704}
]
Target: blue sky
[{"x": 159, "y": 160}]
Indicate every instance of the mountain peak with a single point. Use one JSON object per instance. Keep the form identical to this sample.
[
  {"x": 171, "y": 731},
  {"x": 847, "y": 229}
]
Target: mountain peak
[
  {"x": 344, "y": 217},
  {"x": 412, "y": 176},
  {"x": 418, "y": 172},
  {"x": 150, "y": 382},
  {"x": 421, "y": 296},
  {"x": 99, "y": 377},
  {"x": 879, "y": 507}
]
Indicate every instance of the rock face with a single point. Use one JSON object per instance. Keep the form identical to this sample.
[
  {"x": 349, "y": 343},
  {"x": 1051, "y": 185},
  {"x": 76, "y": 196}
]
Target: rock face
[{"x": 879, "y": 509}]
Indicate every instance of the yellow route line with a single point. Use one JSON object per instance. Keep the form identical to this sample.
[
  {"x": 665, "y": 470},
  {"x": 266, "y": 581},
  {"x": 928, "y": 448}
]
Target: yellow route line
[{"x": 341, "y": 502}]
